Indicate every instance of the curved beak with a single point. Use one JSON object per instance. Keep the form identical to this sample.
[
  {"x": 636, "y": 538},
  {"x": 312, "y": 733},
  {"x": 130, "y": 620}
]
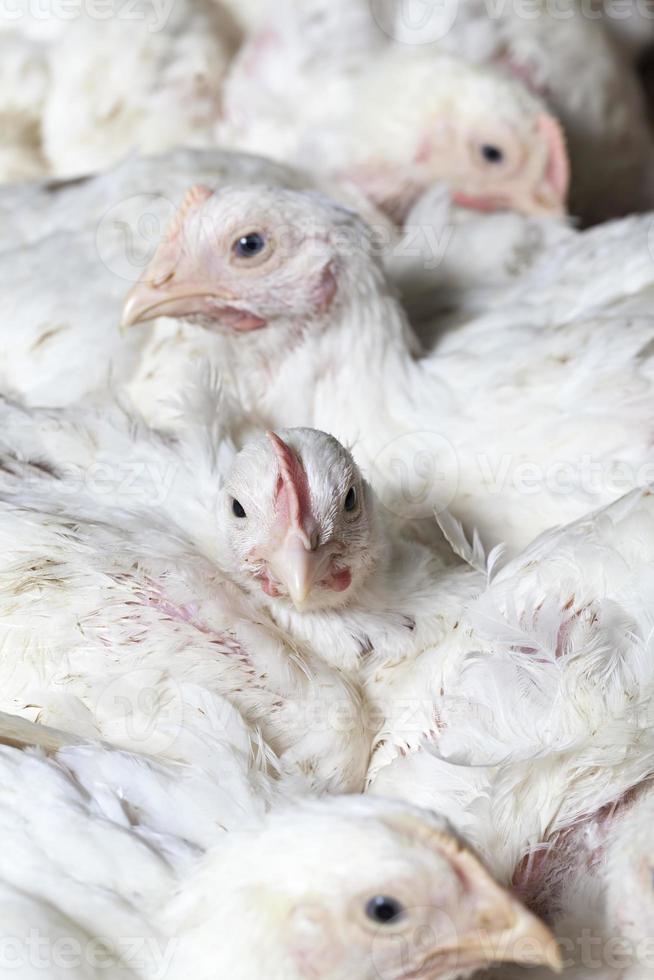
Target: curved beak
[
  {"x": 525, "y": 939},
  {"x": 298, "y": 565},
  {"x": 147, "y": 300},
  {"x": 521, "y": 938}
]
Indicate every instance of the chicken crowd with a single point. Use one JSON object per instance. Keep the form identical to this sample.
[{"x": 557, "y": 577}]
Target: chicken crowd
[{"x": 326, "y": 489}]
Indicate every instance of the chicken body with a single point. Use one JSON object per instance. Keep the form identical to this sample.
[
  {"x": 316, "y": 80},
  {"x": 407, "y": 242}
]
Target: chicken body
[
  {"x": 108, "y": 845},
  {"x": 534, "y": 712},
  {"x": 119, "y": 619}
]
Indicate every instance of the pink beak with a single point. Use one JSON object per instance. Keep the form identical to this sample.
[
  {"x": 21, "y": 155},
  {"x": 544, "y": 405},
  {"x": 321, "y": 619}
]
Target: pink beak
[
  {"x": 298, "y": 565},
  {"x": 297, "y": 561}
]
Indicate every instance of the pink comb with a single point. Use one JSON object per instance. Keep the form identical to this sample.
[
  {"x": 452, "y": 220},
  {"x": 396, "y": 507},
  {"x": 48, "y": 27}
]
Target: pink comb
[
  {"x": 293, "y": 494},
  {"x": 195, "y": 195}
]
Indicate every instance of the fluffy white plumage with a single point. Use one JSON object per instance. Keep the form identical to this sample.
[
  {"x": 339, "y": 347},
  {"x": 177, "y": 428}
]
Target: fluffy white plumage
[
  {"x": 105, "y": 845},
  {"x": 120, "y": 619},
  {"x": 597, "y": 879},
  {"x": 451, "y": 262},
  {"x": 534, "y": 712},
  {"x": 94, "y": 108}
]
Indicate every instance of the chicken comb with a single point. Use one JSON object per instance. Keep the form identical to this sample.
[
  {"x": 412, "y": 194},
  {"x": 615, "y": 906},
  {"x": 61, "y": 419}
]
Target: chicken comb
[
  {"x": 293, "y": 495},
  {"x": 558, "y": 168},
  {"x": 195, "y": 196}
]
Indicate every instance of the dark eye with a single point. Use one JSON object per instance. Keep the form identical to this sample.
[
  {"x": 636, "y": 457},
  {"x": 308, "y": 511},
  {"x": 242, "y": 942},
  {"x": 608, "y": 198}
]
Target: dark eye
[
  {"x": 250, "y": 245},
  {"x": 351, "y": 499},
  {"x": 237, "y": 509},
  {"x": 383, "y": 909},
  {"x": 492, "y": 154}
]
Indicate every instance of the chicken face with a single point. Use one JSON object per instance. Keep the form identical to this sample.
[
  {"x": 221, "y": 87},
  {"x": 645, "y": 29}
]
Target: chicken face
[
  {"x": 474, "y": 128},
  {"x": 242, "y": 259},
  {"x": 505, "y": 170},
  {"x": 359, "y": 888},
  {"x": 297, "y": 520}
]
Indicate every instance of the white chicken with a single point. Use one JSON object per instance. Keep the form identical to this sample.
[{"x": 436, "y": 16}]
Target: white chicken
[
  {"x": 302, "y": 324},
  {"x": 547, "y": 46},
  {"x": 61, "y": 341},
  {"x": 567, "y": 624},
  {"x": 103, "y": 846},
  {"x": 120, "y": 617},
  {"x": 442, "y": 118},
  {"x": 444, "y": 649}
]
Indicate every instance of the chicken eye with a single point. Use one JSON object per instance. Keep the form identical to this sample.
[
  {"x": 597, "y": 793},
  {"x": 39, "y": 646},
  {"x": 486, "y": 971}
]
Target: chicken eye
[
  {"x": 237, "y": 509},
  {"x": 248, "y": 246},
  {"x": 491, "y": 153},
  {"x": 351, "y": 500},
  {"x": 383, "y": 909}
]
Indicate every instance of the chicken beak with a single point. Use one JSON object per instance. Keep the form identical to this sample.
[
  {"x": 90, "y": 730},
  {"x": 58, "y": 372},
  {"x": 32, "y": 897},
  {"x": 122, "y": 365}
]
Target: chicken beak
[
  {"x": 147, "y": 300},
  {"x": 297, "y": 565},
  {"x": 524, "y": 940},
  {"x": 527, "y": 940}
]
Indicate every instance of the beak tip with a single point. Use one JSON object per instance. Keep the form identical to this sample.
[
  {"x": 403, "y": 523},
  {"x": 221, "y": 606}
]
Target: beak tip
[{"x": 130, "y": 314}]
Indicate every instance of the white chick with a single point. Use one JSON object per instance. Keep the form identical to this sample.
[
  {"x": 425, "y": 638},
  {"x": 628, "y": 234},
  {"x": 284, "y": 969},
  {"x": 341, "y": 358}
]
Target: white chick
[{"x": 121, "y": 619}]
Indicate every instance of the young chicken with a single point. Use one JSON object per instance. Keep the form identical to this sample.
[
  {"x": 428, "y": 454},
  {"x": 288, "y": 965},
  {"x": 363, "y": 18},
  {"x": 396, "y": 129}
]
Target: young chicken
[
  {"x": 284, "y": 294},
  {"x": 603, "y": 111},
  {"x": 83, "y": 242},
  {"x": 443, "y": 120},
  {"x": 444, "y": 649},
  {"x": 122, "y": 621},
  {"x": 102, "y": 846}
]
